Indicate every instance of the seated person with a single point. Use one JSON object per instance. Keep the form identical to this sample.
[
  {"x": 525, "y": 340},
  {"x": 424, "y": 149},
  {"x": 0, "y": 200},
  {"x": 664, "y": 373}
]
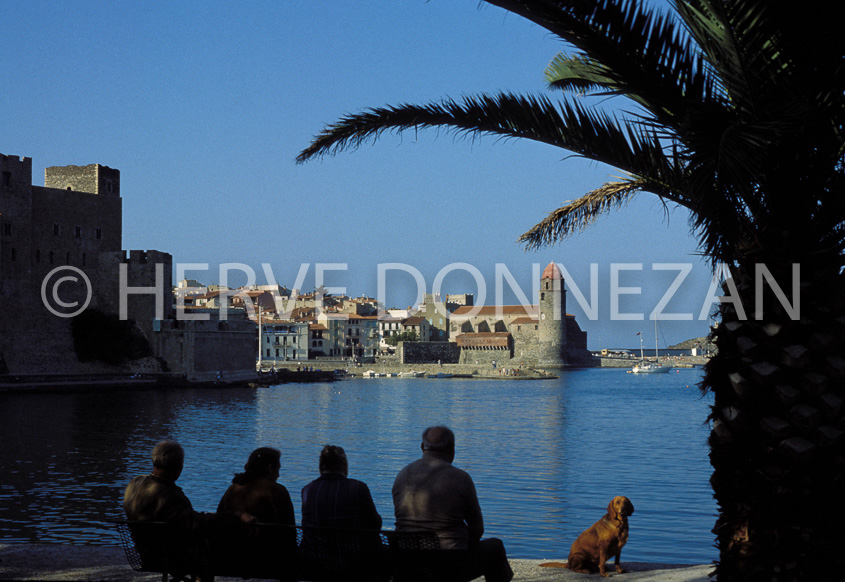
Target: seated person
[
  {"x": 259, "y": 550},
  {"x": 255, "y": 491},
  {"x": 343, "y": 507},
  {"x": 157, "y": 498},
  {"x": 431, "y": 494},
  {"x": 334, "y": 500}
]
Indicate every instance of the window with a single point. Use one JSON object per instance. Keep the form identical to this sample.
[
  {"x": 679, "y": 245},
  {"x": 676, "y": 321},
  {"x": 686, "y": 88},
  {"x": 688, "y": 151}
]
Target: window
[
  {"x": 268, "y": 352},
  {"x": 37, "y": 256},
  {"x": 542, "y": 296},
  {"x": 7, "y": 179},
  {"x": 67, "y": 258},
  {"x": 13, "y": 254},
  {"x": 56, "y": 230},
  {"x": 78, "y": 232},
  {"x": 83, "y": 259},
  {"x": 7, "y": 228},
  {"x": 98, "y": 233},
  {"x": 51, "y": 257}
]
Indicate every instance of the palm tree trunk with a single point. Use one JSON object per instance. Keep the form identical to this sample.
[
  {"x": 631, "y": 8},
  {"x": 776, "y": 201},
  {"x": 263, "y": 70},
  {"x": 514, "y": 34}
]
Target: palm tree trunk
[{"x": 778, "y": 432}]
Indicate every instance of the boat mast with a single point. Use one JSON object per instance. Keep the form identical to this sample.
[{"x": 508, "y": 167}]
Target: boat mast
[
  {"x": 642, "y": 355},
  {"x": 259, "y": 334},
  {"x": 656, "y": 355}
]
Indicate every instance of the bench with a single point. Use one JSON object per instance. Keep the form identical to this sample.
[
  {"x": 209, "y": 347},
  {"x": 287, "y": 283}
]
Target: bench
[{"x": 280, "y": 552}]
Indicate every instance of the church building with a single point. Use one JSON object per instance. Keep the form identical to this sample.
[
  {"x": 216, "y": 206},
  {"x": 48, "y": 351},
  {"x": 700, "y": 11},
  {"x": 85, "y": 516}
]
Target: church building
[{"x": 541, "y": 335}]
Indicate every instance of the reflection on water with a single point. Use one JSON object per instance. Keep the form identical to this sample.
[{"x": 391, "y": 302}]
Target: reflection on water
[{"x": 546, "y": 456}]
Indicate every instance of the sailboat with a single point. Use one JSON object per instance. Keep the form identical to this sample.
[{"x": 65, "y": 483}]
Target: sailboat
[{"x": 645, "y": 367}]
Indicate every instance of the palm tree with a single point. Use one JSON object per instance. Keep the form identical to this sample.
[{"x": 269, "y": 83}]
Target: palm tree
[{"x": 735, "y": 112}]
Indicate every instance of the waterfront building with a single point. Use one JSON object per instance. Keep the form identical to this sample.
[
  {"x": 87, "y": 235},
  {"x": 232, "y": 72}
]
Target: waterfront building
[
  {"x": 362, "y": 336},
  {"x": 418, "y": 325},
  {"x": 389, "y": 325},
  {"x": 284, "y": 341}
]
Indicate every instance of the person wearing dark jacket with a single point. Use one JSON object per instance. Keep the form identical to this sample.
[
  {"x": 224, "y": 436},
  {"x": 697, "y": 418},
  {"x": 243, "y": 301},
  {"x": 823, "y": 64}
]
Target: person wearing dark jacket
[{"x": 335, "y": 500}]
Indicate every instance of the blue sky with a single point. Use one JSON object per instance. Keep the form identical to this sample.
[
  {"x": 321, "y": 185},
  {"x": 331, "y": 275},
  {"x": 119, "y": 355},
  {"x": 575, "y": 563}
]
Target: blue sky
[{"x": 203, "y": 107}]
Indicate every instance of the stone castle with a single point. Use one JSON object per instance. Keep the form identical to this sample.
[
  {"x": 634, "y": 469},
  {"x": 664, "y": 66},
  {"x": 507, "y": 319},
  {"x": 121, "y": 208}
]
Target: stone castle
[{"x": 60, "y": 255}]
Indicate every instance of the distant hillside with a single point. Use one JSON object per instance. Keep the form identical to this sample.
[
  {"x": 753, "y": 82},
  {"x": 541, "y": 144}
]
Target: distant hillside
[{"x": 692, "y": 343}]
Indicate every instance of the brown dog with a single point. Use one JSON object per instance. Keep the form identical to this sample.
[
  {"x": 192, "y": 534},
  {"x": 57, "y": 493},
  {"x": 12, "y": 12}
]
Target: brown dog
[{"x": 600, "y": 541}]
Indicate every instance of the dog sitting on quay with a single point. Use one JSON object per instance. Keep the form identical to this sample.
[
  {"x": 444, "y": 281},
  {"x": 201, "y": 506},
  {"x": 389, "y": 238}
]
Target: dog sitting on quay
[{"x": 605, "y": 538}]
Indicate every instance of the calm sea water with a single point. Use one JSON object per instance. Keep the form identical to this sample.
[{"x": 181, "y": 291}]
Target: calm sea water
[{"x": 546, "y": 456}]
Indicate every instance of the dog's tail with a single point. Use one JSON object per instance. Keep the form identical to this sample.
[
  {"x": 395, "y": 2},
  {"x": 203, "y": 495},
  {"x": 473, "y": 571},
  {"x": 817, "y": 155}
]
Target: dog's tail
[{"x": 555, "y": 565}]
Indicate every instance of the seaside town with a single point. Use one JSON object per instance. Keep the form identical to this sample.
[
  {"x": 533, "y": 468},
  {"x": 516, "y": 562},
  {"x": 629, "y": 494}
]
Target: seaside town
[
  {"x": 211, "y": 333},
  {"x": 677, "y": 167}
]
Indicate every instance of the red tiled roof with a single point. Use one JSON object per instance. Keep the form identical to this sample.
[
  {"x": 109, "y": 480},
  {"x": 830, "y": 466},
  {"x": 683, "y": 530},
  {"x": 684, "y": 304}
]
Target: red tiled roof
[
  {"x": 489, "y": 310},
  {"x": 552, "y": 271}
]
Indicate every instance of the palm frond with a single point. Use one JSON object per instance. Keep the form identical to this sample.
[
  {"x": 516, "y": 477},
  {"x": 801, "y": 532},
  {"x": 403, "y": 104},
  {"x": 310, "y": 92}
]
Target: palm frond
[
  {"x": 577, "y": 73},
  {"x": 592, "y": 134},
  {"x": 645, "y": 53},
  {"x": 579, "y": 214}
]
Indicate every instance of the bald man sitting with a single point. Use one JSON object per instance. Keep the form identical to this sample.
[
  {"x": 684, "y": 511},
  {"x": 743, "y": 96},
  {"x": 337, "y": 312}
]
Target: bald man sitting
[{"x": 431, "y": 494}]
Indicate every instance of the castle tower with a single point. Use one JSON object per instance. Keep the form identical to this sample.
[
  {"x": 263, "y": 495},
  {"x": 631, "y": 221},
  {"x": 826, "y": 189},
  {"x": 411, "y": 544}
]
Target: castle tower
[
  {"x": 15, "y": 227},
  {"x": 552, "y": 324},
  {"x": 93, "y": 178}
]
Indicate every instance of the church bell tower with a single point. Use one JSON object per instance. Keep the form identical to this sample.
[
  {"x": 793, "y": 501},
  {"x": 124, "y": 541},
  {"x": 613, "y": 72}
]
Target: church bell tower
[{"x": 552, "y": 324}]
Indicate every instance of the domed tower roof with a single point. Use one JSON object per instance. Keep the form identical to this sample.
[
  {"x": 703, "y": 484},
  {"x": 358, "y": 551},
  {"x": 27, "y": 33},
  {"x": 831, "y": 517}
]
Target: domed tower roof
[{"x": 552, "y": 272}]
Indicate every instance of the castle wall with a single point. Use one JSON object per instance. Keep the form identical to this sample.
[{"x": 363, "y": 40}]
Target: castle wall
[
  {"x": 576, "y": 344},
  {"x": 428, "y": 352},
  {"x": 485, "y": 356},
  {"x": 525, "y": 343},
  {"x": 73, "y": 229},
  {"x": 145, "y": 270},
  {"x": 199, "y": 349}
]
